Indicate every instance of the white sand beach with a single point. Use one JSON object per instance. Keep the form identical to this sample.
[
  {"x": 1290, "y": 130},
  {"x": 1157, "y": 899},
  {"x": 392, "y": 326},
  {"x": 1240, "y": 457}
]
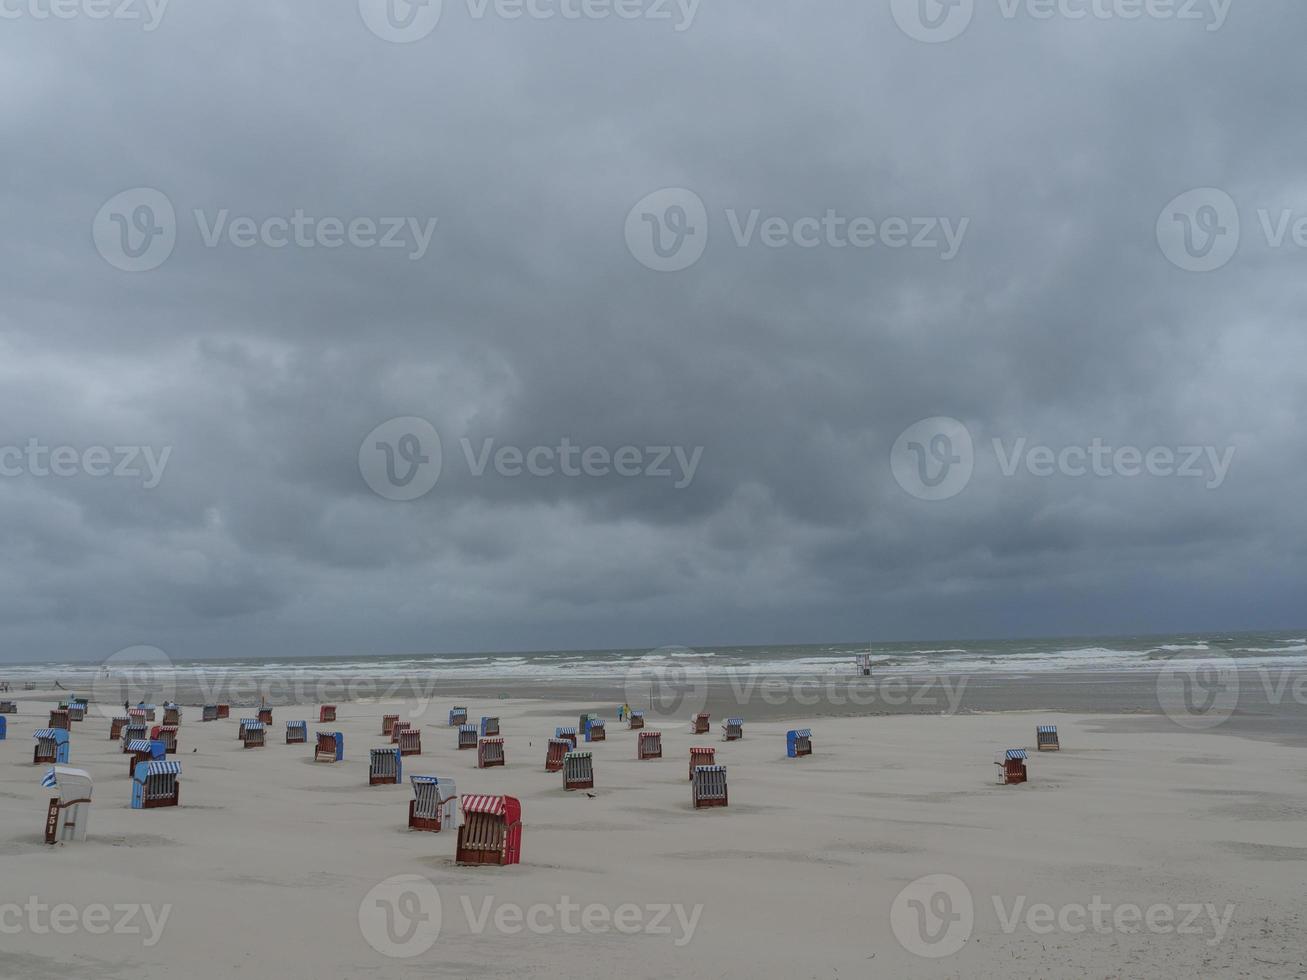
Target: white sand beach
[{"x": 261, "y": 871}]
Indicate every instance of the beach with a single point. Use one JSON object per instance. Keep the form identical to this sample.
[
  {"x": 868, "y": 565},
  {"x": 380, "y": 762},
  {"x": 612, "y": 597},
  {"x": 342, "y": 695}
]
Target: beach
[{"x": 1158, "y": 853}]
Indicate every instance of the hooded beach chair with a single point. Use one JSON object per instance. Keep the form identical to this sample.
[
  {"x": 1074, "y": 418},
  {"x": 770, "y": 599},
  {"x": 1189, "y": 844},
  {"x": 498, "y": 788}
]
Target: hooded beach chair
[
  {"x": 156, "y": 784},
  {"x": 253, "y": 735},
  {"x": 144, "y": 750},
  {"x": 388, "y": 723},
  {"x": 558, "y": 748},
  {"x": 148, "y": 709},
  {"x": 8, "y": 707},
  {"x": 798, "y": 742},
  {"x": 489, "y": 725},
  {"x": 59, "y": 719},
  {"x": 167, "y": 734},
  {"x": 4, "y": 729},
  {"x": 76, "y": 711},
  {"x": 410, "y": 741},
  {"x": 297, "y": 732},
  {"x": 224, "y": 710},
  {"x": 649, "y": 745},
  {"x": 491, "y": 831},
  {"x": 265, "y": 715},
  {"x": 395, "y": 729},
  {"x": 139, "y": 715},
  {"x": 240, "y": 729},
  {"x": 385, "y": 767},
  {"x": 69, "y": 813},
  {"x": 708, "y": 786},
  {"x": 1011, "y": 766},
  {"x": 172, "y": 714},
  {"x": 733, "y": 729},
  {"x": 434, "y": 806},
  {"x": 635, "y": 720},
  {"x": 699, "y": 723},
  {"x": 578, "y": 771},
  {"x": 209, "y": 713},
  {"x": 457, "y": 716},
  {"x": 133, "y": 732},
  {"x": 51, "y": 746},
  {"x": 116, "y": 726},
  {"x": 596, "y": 730},
  {"x": 331, "y": 747},
  {"x": 1046, "y": 738},
  {"x": 567, "y": 733},
  {"x": 490, "y": 752},
  {"x": 467, "y": 736},
  {"x": 702, "y": 755},
  {"x": 326, "y": 713}
]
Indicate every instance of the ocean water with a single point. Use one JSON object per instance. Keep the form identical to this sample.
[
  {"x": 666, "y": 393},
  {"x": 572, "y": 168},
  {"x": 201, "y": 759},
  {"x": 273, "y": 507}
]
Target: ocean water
[{"x": 1117, "y": 653}]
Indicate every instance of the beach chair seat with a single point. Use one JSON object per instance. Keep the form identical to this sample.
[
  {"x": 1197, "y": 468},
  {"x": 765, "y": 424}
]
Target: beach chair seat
[
  {"x": 51, "y": 746},
  {"x": 489, "y": 725},
  {"x": 649, "y": 745},
  {"x": 134, "y": 732},
  {"x": 265, "y": 716},
  {"x": 490, "y": 752},
  {"x": 578, "y": 771},
  {"x": 733, "y": 729},
  {"x": 148, "y": 711},
  {"x": 330, "y": 748},
  {"x": 410, "y": 742},
  {"x": 224, "y": 710},
  {"x": 557, "y": 749},
  {"x": 68, "y": 815},
  {"x": 567, "y": 733},
  {"x": 596, "y": 730},
  {"x": 167, "y": 734},
  {"x": 708, "y": 786},
  {"x": 172, "y": 714},
  {"x": 1046, "y": 739},
  {"x": 59, "y": 719},
  {"x": 385, "y": 767},
  {"x": 1012, "y": 766},
  {"x": 297, "y": 732},
  {"x": 798, "y": 742},
  {"x": 699, "y": 723},
  {"x": 491, "y": 832},
  {"x": 144, "y": 750},
  {"x": 116, "y": 726},
  {"x": 326, "y": 713},
  {"x": 434, "y": 806},
  {"x": 76, "y": 711},
  {"x": 467, "y": 736},
  {"x": 457, "y": 716},
  {"x": 702, "y": 755},
  {"x": 209, "y": 713},
  {"x": 388, "y": 723},
  {"x": 635, "y": 720},
  {"x": 138, "y": 715},
  {"x": 253, "y": 734},
  {"x": 156, "y": 784}
]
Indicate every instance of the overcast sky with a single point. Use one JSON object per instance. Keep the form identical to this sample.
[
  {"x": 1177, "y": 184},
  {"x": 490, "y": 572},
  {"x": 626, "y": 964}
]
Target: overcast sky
[{"x": 1039, "y": 287}]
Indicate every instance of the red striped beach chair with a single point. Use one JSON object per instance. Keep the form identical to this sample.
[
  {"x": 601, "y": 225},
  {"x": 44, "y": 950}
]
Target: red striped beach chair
[
  {"x": 326, "y": 713},
  {"x": 410, "y": 742},
  {"x": 434, "y": 806},
  {"x": 457, "y": 716},
  {"x": 155, "y": 784},
  {"x": 331, "y": 747},
  {"x": 1011, "y": 767},
  {"x": 252, "y": 734},
  {"x": 467, "y": 736},
  {"x": 1046, "y": 739},
  {"x": 702, "y": 755},
  {"x": 649, "y": 745},
  {"x": 149, "y": 711},
  {"x": 59, "y": 719},
  {"x": 636, "y": 720},
  {"x": 708, "y": 786},
  {"x": 388, "y": 723},
  {"x": 490, "y": 752},
  {"x": 297, "y": 732},
  {"x": 699, "y": 723},
  {"x": 578, "y": 771},
  {"x": 558, "y": 748},
  {"x": 733, "y": 729},
  {"x": 167, "y": 734},
  {"x": 491, "y": 831},
  {"x": 385, "y": 766},
  {"x": 116, "y": 726},
  {"x": 139, "y": 715}
]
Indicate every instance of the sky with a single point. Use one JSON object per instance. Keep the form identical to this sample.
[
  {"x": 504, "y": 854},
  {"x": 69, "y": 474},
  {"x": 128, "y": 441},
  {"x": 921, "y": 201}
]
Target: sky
[{"x": 375, "y": 328}]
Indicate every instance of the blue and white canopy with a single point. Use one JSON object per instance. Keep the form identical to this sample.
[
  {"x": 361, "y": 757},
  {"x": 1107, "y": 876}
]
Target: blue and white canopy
[
  {"x": 46, "y": 733},
  {"x": 709, "y": 768},
  {"x": 735, "y": 721},
  {"x": 560, "y": 732},
  {"x": 802, "y": 733},
  {"x": 252, "y": 726},
  {"x": 138, "y": 745},
  {"x": 1046, "y": 729},
  {"x": 163, "y": 768},
  {"x": 424, "y": 780},
  {"x": 298, "y": 724},
  {"x": 467, "y": 728},
  {"x": 1015, "y": 754}
]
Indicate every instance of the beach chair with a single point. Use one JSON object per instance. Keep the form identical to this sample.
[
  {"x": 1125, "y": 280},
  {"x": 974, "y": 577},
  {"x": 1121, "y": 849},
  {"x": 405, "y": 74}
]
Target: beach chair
[
  {"x": 699, "y": 723},
  {"x": 708, "y": 786},
  {"x": 76, "y": 711},
  {"x": 326, "y": 713},
  {"x": 798, "y": 742},
  {"x": 133, "y": 732},
  {"x": 297, "y": 732},
  {"x": 467, "y": 736},
  {"x": 167, "y": 734},
  {"x": 1046, "y": 738},
  {"x": 636, "y": 720},
  {"x": 490, "y": 752},
  {"x": 567, "y": 733},
  {"x": 69, "y": 813},
  {"x": 172, "y": 714},
  {"x": 491, "y": 831},
  {"x": 733, "y": 729},
  {"x": 4, "y": 729},
  {"x": 596, "y": 730},
  {"x": 224, "y": 710},
  {"x": 59, "y": 719},
  {"x": 1011, "y": 766},
  {"x": 385, "y": 767},
  {"x": 864, "y": 664},
  {"x": 331, "y": 747},
  {"x": 265, "y": 715},
  {"x": 209, "y": 713},
  {"x": 8, "y": 707},
  {"x": 149, "y": 710},
  {"x": 240, "y": 729},
  {"x": 388, "y": 723},
  {"x": 156, "y": 784},
  {"x": 558, "y": 748},
  {"x": 434, "y": 806},
  {"x": 457, "y": 716},
  {"x": 489, "y": 725},
  {"x": 578, "y": 771},
  {"x": 397, "y": 728},
  {"x": 144, "y": 750},
  {"x": 139, "y": 715},
  {"x": 252, "y": 735},
  {"x": 702, "y": 755},
  {"x": 116, "y": 726},
  {"x": 410, "y": 741},
  {"x": 649, "y": 745},
  {"x": 51, "y": 746}
]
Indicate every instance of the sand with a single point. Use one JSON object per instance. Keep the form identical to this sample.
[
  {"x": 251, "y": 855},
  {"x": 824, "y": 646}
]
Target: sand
[{"x": 262, "y": 870}]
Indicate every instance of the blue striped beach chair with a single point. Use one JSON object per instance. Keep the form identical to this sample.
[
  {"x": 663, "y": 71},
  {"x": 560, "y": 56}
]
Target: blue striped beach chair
[
  {"x": 489, "y": 725},
  {"x": 144, "y": 750},
  {"x": 252, "y": 734},
  {"x": 733, "y": 729},
  {"x": 467, "y": 736},
  {"x": 457, "y": 715},
  {"x": 133, "y": 732},
  {"x": 708, "y": 786},
  {"x": 331, "y": 747},
  {"x": 636, "y": 719},
  {"x": 798, "y": 742},
  {"x": 566, "y": 733},
  {"x": 4, "y": 729},
  {"x": 155, "y": 784},
  {"x": 1046, "y": 739},
  {"x": 434, "y": 806},
  {"x": 596, "y": 730},
  {"x": 209, "y": 713},
  {"x": 385, "y": 766},
  {"x": 297, "y": 732},
  {"x": 1011, "y": 766},
  {"x": 51, "y": 746},
  {"x": 578, "y": 771}
]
